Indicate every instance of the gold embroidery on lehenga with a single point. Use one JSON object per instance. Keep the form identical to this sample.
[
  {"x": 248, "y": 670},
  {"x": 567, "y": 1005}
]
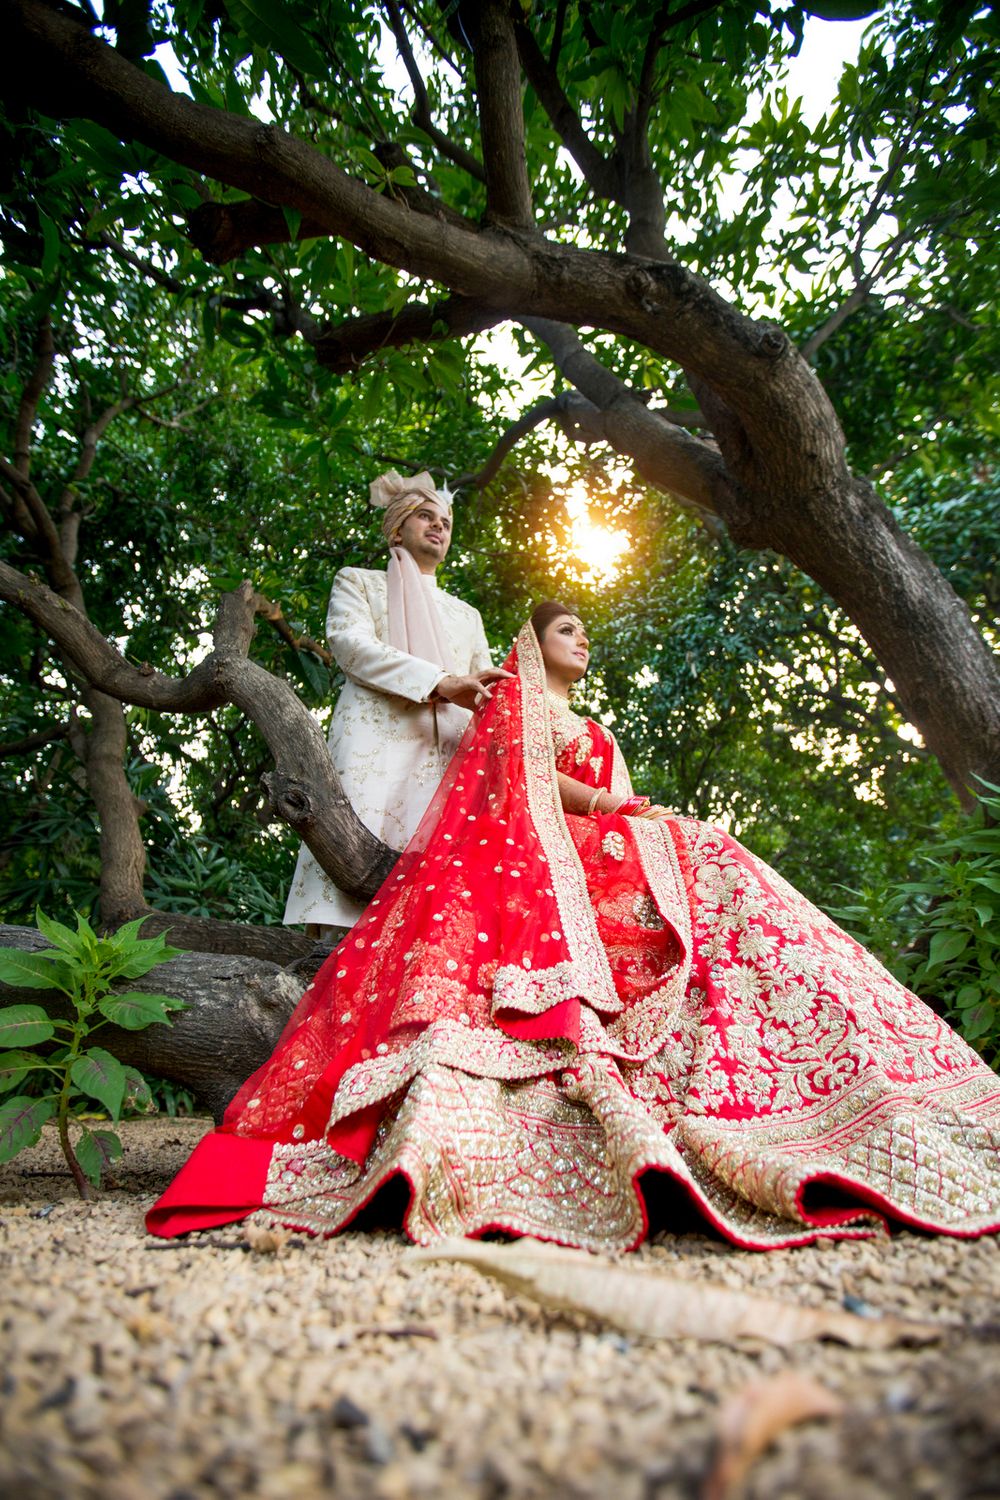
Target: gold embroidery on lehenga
[
  {"x": 760, "y": 1006},
  {"x": 613, "y": 845}
]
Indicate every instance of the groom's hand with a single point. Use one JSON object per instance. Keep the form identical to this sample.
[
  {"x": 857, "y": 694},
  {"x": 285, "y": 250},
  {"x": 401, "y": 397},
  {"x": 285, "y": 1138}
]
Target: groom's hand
[{"x": 466, "y": 692}]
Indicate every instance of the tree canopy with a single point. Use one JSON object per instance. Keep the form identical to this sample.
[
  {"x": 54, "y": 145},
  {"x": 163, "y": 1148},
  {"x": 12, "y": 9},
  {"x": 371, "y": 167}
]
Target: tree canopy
[{"x": 759, "y": 338}]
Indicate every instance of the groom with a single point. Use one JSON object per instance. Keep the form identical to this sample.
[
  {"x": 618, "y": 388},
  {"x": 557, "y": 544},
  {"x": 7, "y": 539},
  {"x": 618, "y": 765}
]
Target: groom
[{"x": 415, "y": 660}]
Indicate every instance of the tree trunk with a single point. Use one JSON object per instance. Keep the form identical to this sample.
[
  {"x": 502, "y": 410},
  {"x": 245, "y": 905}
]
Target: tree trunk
[
  {"x": 944, "y": 675},
  {"x": 305, "y": 789},
  {"x": 122, "y": 848}
]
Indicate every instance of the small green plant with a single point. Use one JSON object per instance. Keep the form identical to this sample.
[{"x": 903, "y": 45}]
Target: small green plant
[{"x": 70, "y": 1069}]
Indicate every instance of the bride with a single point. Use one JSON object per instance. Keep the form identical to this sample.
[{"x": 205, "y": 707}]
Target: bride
[{"x": 567, "y": 1012}]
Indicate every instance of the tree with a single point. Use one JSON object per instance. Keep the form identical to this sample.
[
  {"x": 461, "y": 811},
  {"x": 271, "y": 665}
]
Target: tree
[
  {"x": 776, "y": 473},
  {"x": 538, "y": 143}
]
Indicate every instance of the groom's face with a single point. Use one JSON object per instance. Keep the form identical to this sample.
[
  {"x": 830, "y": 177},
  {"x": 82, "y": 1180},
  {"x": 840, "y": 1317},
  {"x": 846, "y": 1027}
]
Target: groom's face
[{"x": 426, "y": 535}]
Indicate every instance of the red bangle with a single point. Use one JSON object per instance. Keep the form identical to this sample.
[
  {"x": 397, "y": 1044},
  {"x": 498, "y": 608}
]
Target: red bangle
[{"x": 632, "y": 806}]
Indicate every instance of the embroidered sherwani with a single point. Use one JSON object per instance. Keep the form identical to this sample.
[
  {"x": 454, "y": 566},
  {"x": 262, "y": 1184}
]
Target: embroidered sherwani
[{"x": 389, "y": 744}]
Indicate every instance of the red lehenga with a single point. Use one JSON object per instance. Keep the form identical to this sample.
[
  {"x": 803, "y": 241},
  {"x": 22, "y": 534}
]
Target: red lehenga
[{"x": 542, "y": 1016}]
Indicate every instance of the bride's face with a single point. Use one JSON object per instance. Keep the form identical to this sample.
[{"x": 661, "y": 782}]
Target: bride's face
[{"x": 565, "y": 649}]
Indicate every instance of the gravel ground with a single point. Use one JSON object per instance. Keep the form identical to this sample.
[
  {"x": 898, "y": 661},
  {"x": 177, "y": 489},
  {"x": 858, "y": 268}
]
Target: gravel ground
[{"x": 134, "y": 1367}]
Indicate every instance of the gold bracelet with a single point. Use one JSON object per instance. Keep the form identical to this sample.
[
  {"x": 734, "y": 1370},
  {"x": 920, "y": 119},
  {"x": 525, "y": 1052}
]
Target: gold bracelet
[{"x": 592, "y": 804}]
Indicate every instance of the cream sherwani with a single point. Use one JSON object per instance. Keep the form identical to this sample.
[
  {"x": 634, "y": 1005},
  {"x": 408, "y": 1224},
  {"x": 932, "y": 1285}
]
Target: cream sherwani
[{"x": 389, "y": 745}]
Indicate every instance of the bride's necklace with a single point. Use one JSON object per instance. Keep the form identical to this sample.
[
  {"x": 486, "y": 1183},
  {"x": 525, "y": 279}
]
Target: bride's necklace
[{"x": 566, "y": 725}]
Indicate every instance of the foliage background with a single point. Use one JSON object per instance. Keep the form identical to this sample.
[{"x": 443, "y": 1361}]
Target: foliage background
[{"x": 738, "y": 690}]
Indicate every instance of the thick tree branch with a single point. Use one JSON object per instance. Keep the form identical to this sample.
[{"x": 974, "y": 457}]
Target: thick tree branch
[
  {"x": 664, "y": 455},
  {"x": 421, "y": 116},
  {"x": 65, "y": 71},
  {"x": 344, "y": 346},
  {"x": 305, "y": 789},
  {"x": 42, "y": 533},
  {"x": 223, "y": 231},
  {"x": 501, "y": 117},
  {"x": 579, "y": 419},
  {"x": 596, "y": 169}
]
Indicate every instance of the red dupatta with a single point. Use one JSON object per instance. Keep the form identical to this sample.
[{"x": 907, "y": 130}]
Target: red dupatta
[{"x": 481, "y": 951}]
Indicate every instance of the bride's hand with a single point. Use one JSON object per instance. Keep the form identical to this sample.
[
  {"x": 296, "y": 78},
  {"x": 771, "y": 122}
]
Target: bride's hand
[{"x": 656, "y": 813}]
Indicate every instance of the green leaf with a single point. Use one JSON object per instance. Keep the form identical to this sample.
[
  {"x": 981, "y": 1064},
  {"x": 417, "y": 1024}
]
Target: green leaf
[
  {"x": 21, "y": 1122},
  {"x": 138, "y": 1095},
  {"x": 127, "y": 934},
  {"x": 135, "y": 1010},
  {"x": 978, "y": 1022},
  {"x": 945, "y": 946},
  {"x": 283, "y": 33},
  {"x": 34, "y": 971},
  {"x": 153, "y": 951},
  {"x": 95, "y": 1151},
  {"x": 24, "y": 1026},
  {"x": 58, "y": 935},
  {"x": 14, "y": 1066},
  {"x": 88, "y": 937},
  {"x": 101, "y": 1077},
  {"x": 312, "y": 672},
  {"x": 293, "y": 218}
]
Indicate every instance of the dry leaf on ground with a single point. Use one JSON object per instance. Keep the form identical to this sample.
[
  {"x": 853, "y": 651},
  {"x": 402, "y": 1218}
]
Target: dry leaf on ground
[
  {"x": 264, "y": 1240},
  {"x": 751, "y": 1419},
  {"x": 647, "y": 1303}
]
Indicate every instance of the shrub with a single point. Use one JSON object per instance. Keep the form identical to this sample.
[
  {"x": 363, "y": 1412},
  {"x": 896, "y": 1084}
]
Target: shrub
[{"x": 85, "y": 968}]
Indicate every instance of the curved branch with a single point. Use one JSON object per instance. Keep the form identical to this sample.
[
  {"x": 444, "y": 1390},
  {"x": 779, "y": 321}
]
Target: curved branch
[
  {"x": 665, "y": 455},
  {"x": 344, "y": 346},
  {"x": 544, "y": 411},
  {"x": 501, "y": 117},
  {"x": 58, "y": 67},
  {"x": 29, "y": 742},
  {"x": 222, "y": 231},
  {"x": 34, "y": 521},
  {"x": 310, "y": 796},
  {"x": 273, "y": 613},
  {"x": 597, "y": 170},
  {"x": 421, "y": 115}
]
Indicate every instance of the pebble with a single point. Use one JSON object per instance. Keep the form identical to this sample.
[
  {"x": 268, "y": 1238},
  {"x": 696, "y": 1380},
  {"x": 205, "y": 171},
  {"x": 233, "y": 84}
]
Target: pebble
[{"x": 197, "y": 1372}]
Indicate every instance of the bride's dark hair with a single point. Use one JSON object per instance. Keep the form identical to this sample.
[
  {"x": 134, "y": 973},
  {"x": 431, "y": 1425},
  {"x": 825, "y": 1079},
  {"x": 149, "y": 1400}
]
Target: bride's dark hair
[{"x": 543, "y": 614}]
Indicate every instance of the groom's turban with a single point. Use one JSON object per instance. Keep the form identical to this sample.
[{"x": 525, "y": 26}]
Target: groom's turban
[{"x": 400, "y": 497}]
